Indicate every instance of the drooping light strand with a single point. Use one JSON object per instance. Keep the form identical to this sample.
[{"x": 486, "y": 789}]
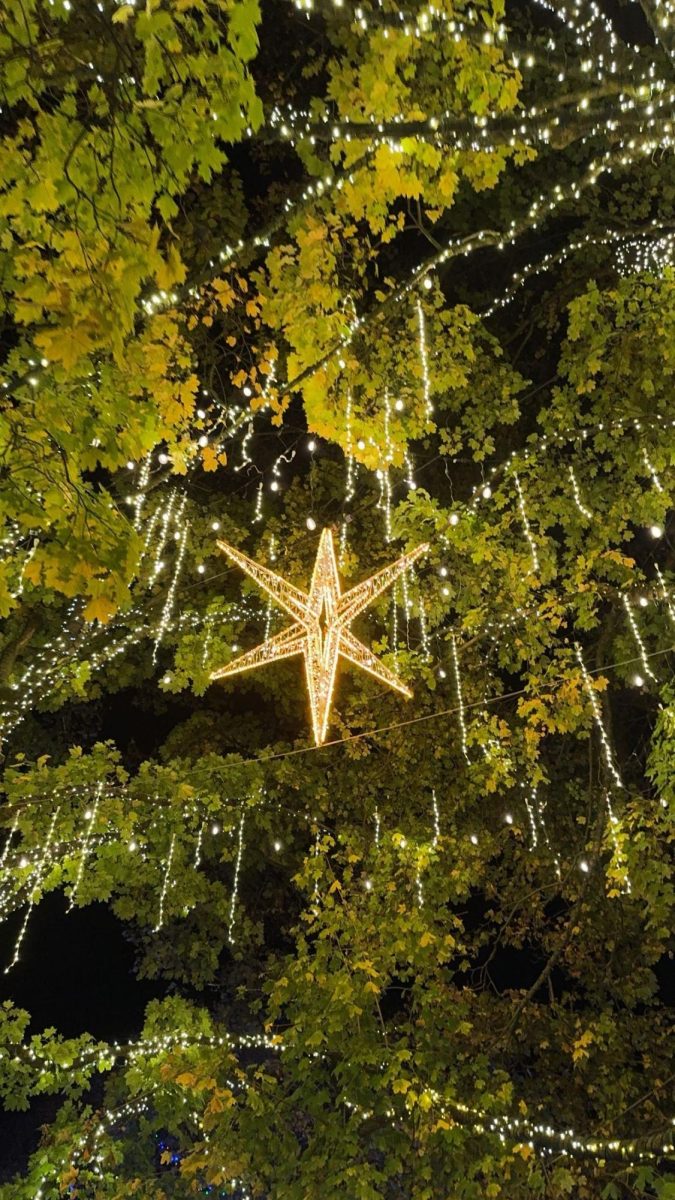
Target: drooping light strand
[
  {"x": 585, "y": 512},
  {"x": 164, "y": 528},
  {"x": 539, "y": 807},
  {"x": 206, "y": 644},
  {"x": 394, "y": 622},
  {"x": 650, "y": 467},
  {"x": 388, "y": 459},
  {"x": 665, "y": 594},
  {"x": 437, "y": 818},
  {"x": 139, "y": 499},
  {"x": 531, "y": 817},
  {"x": 410, "y": 476},
  {"x": 424, "y": 363},
  {"x": 460, "y": 698},
  {"x": 90, "y": 817},
  {"x": 10, "y": 836},
  {"x": 198, "y": 846},
  {"x": 424, "y": 635},
  {"x": 597, "y": 716},
  {"x": 349, "y": 478},
  {"x": 39, "y": 876},
  {"x": 526, "y": 525},
  {"x": 377, "y": 828},
  {"x": 235, "y": 880},
  {"x": 619, "y": 855},
  {"x": 407, "y": 605},
  {"x": 165, "y": 884},
  {"x": 638, "y": 638},
  {"x": 258, "y": 513},
  {"x": 167, "y": 610}
]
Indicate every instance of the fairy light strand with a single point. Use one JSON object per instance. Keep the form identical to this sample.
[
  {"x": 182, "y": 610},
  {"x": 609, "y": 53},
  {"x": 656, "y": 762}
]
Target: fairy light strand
[
  {"x": 597, "y": 716},
  {"x": 235, "y": 880},
  {"x": 39, "y": 876},
  {"x": 165, "y": 884},
  {"x": 86, "y": 843},
  {"x": 460, "y": 698},
  {"x": 638, "y": 637},
  {"x": 526, "y": 525}
]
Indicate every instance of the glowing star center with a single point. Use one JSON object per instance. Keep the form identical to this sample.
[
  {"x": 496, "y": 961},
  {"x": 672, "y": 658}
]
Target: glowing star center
[{"x": 320, "y": 631}]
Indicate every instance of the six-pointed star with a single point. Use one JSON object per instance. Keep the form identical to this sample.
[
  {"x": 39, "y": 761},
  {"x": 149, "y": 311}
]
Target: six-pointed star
[{"x": 321, "y": 625}]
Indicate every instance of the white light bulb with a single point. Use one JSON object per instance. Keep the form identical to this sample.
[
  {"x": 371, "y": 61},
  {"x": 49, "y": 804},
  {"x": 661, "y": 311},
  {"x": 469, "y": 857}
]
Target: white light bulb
[
  {"x": 443, "y": 571},
  {"x": 473, "y": 839},
  {"x": 638, "y": 681},
  {"x": 454, "y": 519},
  {"x": 487, "y": 492},
  {"x": 583, "y": 866},
  {"x": 441, "y": 673},
  {"x": 277, "y": 845},
  {"x": 361, "y": 444},
  {"x": 132, "y": 845},
  {"x": 201, "y": 568},
  {"x": 163, "y": 458},
  {"x": 203, "y": 441},
  {"x": 656, "y": 531},
  {"x": 508, "y": 818},
  {"x": 311, "y": 523},
  {"x": 274, "y": 486},
  {"x": 643, "y": 601},
  {"x": 215, "y": 525},
  {"x": 428, "y": 283},
  {"x": 311, "y": 446},
  {"x": 215, "y": 828},
  {"x": 399, "y": 406}
]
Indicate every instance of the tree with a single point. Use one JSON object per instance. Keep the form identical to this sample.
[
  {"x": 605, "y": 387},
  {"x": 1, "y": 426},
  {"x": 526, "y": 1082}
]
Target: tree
[{"x": 404, "y": 274}]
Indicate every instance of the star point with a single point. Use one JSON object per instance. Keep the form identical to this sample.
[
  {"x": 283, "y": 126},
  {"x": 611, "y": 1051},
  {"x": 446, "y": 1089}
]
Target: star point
[{"x": 320, "y": 631}]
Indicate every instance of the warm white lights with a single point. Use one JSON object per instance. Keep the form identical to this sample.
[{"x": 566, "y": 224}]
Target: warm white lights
[{"x": 321, "y": 625}]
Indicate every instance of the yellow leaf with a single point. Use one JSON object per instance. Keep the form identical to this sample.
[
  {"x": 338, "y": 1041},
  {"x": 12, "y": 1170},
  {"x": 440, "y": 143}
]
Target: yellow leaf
[
  {"x": 121, "y": 15},
  {"x": 209, "y": 459},
  {"x": 99, "y": 608}
]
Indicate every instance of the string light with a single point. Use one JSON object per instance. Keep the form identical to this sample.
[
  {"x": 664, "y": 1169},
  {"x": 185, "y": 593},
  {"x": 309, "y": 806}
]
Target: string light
[
  {"x": 165, "y": 884},
  {"x": 665, "y": 594},
  {"x": 171, "y": 594},
  {"x": 638, "y": 639},
  {"x": 198, "y": 847},
  {"x": 597, "y": 716},
  {"x": 39, "y": 876},
  {"x": 649, "y": 465},
  {"x": 585, "y": 512},
  {"x": 426, "y": 383},
  {"x": 460, "y": 698},
  {"x": 437, "y": 819},
  {"x": 85, "y": 846},
  {"x": 526, "y": 525},
  {"x": 235, "y": 881}
]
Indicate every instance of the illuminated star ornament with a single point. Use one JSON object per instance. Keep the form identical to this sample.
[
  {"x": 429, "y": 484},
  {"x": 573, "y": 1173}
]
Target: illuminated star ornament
[{"x": 321, "y": 625}]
